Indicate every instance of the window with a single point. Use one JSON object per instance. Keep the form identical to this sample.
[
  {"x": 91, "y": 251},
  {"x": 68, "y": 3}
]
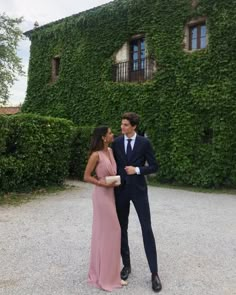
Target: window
[
  {"x": 137, "y": 54},
  {"x": 197, "y": 36},
  {"x": 132, "y": 64},
  {"x": 137, "y": 59},
  {"x": 55, "y": 68}
]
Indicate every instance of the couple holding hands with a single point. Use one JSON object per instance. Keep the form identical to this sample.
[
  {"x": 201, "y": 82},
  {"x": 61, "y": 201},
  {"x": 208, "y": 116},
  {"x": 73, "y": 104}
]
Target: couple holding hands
[{"x": 127, "y": 160}]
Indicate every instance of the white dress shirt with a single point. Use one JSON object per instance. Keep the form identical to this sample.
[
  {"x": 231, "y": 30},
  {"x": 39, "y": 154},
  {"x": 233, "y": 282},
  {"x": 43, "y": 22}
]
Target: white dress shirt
[{"x": 133, "y": 138}]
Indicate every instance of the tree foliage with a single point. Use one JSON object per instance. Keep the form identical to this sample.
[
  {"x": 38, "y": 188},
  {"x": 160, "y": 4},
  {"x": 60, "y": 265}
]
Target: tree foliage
[{"x": 10, "y": 63}]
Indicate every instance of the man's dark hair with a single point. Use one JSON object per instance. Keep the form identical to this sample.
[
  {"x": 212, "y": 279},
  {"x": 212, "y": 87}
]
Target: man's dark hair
[{"x": 133, "y": 118}]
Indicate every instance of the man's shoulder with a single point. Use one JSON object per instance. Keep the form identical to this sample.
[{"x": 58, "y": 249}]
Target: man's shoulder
[
  {"x": 142, "y": 138},
  {"x": 119, "y": 138}
]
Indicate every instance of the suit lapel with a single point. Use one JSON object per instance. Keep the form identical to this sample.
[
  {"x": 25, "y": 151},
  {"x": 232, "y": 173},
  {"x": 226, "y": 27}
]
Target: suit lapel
[
  {"x": 122, "y": 148},
  {"x": 136, "y": 144}
]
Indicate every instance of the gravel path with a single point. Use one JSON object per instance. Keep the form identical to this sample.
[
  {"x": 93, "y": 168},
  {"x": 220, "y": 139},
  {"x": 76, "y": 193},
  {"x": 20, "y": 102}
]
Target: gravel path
[{"x": 44, "y": 244}]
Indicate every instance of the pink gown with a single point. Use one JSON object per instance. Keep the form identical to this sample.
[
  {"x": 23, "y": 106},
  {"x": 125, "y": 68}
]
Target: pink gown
[{"x": 104, "y": 270}]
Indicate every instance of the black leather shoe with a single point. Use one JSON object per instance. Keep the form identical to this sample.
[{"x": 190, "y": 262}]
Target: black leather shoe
[
  {"x": 156, "y": 283},
  {"x": 124, "y": 274}
]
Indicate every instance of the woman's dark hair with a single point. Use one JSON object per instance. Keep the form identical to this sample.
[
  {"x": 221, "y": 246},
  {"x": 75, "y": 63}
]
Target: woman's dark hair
[
  {"x": 97, "y": 143},
  {"x": 133, "y": 118}
]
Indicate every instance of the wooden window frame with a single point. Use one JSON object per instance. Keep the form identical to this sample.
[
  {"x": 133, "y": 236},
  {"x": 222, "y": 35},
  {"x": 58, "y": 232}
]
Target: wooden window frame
[
  {"x": 139, "y": 39},
  {"x": 197, "y": 25},
  {"x": 137, "y": 75}
]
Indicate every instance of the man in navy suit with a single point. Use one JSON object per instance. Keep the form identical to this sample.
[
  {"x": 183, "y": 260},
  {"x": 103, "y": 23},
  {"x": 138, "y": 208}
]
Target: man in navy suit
[{"x": 132, "y": 152}]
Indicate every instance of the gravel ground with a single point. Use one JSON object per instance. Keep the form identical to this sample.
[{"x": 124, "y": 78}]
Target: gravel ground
[{"x": 44, "y": 244}]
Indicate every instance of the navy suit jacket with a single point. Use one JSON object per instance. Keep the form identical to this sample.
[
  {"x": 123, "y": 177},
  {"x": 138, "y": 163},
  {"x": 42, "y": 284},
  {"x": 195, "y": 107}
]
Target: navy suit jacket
[{"x": 135, "y": 185}]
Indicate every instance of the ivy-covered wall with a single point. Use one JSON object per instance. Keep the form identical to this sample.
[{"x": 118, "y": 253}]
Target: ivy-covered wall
[{"x": 191, "y": 95}]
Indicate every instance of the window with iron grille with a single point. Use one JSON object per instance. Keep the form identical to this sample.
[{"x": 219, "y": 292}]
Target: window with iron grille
[{"x": 138, "y": 68}]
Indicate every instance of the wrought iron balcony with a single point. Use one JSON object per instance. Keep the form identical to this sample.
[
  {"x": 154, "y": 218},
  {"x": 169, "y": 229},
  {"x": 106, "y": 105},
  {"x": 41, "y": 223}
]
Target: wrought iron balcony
[{"x": 134, "y": 71}]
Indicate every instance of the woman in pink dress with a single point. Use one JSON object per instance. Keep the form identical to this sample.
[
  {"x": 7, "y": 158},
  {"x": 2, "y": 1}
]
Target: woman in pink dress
[{"x": 104, "y": 270}]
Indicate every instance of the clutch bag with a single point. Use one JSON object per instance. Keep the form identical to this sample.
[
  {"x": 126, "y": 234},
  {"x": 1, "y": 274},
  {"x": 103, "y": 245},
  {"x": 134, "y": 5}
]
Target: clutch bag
[{"x": 110, "y": 179}]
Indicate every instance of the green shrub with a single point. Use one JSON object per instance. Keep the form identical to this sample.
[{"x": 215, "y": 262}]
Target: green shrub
[
  {"x": 80, "y": 151},
  {"x": 37, "y": 152},
  {"x": 3, "y": 134}
]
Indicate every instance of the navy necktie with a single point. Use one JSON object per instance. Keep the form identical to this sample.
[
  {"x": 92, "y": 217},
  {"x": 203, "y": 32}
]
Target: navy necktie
[{"x": 129, "y": 149}]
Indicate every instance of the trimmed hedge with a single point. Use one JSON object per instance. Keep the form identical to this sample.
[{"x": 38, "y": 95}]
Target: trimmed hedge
[
  {"x": 80, "y": 151},
  {"x": 34, "y": 151},
  {"x": 187, "y": 110}
]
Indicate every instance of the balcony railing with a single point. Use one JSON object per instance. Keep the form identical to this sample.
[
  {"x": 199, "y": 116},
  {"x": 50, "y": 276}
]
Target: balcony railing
[{"x": 134, "y": 71}]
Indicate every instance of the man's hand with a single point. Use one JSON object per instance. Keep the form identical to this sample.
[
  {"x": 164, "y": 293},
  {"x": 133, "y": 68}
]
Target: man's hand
[{"x": 130, "y": 170}]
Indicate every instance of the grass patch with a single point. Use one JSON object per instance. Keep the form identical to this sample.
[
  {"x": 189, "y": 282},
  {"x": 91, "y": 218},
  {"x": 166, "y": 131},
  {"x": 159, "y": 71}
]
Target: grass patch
[
  {"x": 16, "y": 198},
  {"x": 153, "y": 182}
]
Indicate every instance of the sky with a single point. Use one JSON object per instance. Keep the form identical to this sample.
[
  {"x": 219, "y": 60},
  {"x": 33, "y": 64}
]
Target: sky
[{"x": 42, "y": 11}]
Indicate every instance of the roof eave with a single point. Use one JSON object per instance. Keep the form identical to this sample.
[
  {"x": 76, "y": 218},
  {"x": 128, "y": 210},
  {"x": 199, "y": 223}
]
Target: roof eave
[{"x": 29, "y": 33}]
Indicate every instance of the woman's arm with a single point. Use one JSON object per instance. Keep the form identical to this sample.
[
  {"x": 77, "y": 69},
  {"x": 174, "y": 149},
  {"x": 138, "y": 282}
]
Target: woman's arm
[{"x": 91, "y": 165}]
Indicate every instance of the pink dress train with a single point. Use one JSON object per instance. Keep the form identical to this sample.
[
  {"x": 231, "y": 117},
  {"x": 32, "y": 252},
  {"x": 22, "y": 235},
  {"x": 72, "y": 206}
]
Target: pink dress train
[{"x": 104, "y": 270}]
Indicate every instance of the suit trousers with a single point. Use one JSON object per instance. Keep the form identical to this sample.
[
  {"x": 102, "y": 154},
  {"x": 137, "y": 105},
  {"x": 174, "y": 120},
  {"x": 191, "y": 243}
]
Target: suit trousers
[{"x": 142, "y": 208}]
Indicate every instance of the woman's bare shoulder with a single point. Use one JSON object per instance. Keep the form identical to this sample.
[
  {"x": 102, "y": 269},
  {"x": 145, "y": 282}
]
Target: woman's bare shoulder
[
  {"x": 94, "y": 156},
  {"x": 110, "y": 149}
]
